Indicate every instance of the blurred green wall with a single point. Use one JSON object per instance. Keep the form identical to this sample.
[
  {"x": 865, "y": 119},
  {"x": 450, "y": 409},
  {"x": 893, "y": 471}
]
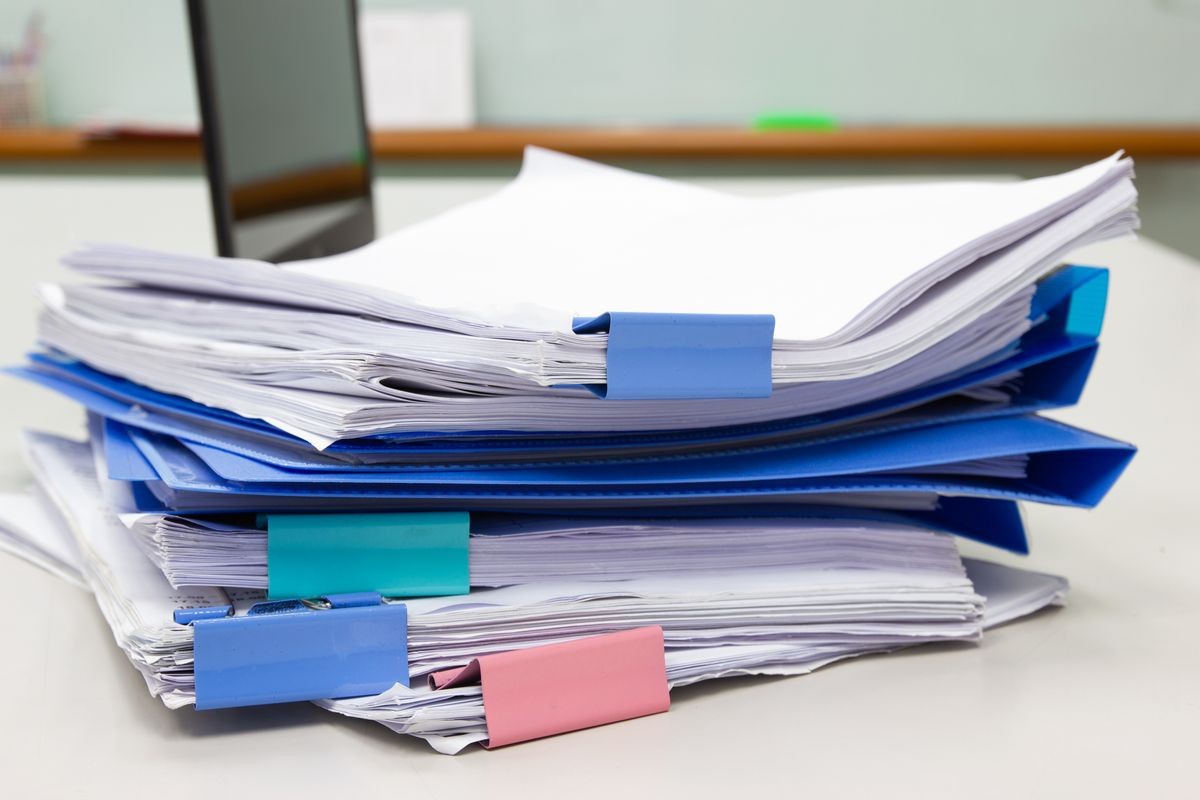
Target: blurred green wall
[{"x": 712, "y": 61}]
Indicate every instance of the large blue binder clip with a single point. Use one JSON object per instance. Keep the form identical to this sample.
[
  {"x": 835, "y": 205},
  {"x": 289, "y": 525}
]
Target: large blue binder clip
[
  {"x": 347, "y": 645},
  {"x": 684, "y": 356}
]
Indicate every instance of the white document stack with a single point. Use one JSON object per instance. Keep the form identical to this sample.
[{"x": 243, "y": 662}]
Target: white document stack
[
  {"x": 194, "y": 551},
  {"x": 815, "y": 604},
  {"x": 917, "y": 332},
  {"x": 464, "y": 322}
]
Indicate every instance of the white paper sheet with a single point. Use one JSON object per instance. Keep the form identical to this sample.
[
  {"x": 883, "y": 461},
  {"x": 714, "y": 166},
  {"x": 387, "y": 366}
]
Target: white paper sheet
[
  {"x": 29, "y": 530},
  {"x": 585, "y": 238}
]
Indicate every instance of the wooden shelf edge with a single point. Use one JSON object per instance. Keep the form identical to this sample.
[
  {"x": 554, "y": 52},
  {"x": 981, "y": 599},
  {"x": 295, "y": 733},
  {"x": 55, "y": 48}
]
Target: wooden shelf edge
[
  {"x": 847, "y": 143},
  {"x": 879, "y": 143}
]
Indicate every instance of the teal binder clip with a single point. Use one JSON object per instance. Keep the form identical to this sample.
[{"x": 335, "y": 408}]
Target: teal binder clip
[
  {"x": 416, "y": 554},
  {"x": 684, "y": 356}
]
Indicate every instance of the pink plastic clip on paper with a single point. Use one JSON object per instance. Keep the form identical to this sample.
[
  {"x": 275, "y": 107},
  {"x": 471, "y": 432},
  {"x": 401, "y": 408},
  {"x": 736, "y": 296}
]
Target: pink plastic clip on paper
[{"x": 542, "y": 691}]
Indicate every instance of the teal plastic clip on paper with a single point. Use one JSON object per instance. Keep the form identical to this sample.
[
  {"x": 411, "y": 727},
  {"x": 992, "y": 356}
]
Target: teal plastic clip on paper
[{"x": 414, "y": 554}]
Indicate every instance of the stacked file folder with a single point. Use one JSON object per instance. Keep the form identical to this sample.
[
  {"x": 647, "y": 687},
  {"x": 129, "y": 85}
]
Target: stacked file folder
[{"x": 522, "y": 467}]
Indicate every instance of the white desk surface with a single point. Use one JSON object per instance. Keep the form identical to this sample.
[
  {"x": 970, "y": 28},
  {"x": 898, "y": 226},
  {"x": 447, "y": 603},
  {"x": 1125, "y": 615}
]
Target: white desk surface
[{"x": 1101, "y": 698}]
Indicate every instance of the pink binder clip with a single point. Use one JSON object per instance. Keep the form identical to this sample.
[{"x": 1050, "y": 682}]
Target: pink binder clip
[{"x": 556, "y": 688}]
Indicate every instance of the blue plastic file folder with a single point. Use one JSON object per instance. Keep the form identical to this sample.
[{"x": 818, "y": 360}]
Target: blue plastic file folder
[
  {"x": 992, "y": 521},
  {"x": 1065, "y": 466}
]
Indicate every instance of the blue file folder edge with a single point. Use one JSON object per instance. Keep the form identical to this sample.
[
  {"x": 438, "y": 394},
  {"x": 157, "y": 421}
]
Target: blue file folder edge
[
  {"x": 991, "y": 521},
  {"x": 1067, "y": 466}
]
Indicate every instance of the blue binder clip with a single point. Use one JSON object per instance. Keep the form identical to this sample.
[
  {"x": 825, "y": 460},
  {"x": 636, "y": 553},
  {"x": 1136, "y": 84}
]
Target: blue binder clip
[
  {"x": 684, "y": 356},
  {"x": 347, "y": 645}
]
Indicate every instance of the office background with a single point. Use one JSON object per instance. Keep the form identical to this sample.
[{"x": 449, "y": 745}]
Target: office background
[
  {"x": 1048, "y": 705},
  {"x": 718, "y": 62}
]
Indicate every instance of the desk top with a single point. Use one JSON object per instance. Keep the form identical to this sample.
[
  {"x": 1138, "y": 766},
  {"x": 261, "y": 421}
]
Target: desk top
[{"x": 1102, "y": 697}]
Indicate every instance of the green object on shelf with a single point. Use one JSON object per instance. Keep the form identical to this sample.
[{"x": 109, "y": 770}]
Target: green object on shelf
[{"x": 794, "y": 121}]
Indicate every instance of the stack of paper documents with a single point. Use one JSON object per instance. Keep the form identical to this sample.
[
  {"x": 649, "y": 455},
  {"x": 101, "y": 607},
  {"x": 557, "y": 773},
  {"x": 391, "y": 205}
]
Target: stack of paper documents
[
  {"x": 465, "y": 322},
  {"x": 594, "y": 410},
  {"x": 512, "y": 549},
  {"x": 765, "y": 618}
]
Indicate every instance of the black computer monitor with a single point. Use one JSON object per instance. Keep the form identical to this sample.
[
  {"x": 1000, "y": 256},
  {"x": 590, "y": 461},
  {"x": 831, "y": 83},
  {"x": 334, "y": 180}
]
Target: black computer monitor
[{"x": 284, "y": 129}]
